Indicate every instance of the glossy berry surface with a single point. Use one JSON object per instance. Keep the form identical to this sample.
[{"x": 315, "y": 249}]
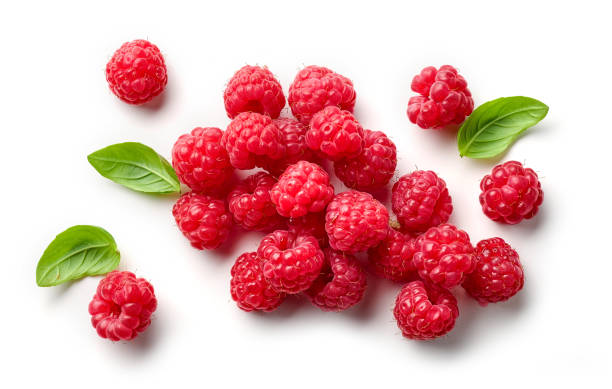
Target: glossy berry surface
[
  {"x": 392, "y": 258},
  {"x": 290, "y": 263},
  {"x": 498, "y": 274},
  {"x": 122, "y": 306},
  {"x": 250, "y": 204},
  {"x": 293, "y": 137},
  {"x": 303, "y": 188},
  {"x": 137, "y": 73},
  {"x": 444, "y": 256},
  {"x": 355, "y": 221},
  {"x": 200, "y": 161},
  {"x": 444, "y": 98},
  {"x": 253, "y": 89},
  {"x": 317, "y": 87},
  {"x": 421, "y": 200},
  {"x": 310, "y": 224},
  {"x": 373, "y": 167},
  {"x": 335, "y": 134},
  {"x": 249, "y": 288},
  {"x": 341, "y": 284},
  {"x": 511, "y": 193},
  {"x": 425, "y": 312},
  {"x": 202, "y": 219}
]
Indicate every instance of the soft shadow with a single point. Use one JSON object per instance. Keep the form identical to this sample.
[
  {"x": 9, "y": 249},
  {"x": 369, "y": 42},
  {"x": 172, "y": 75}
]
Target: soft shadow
[{"x": 157, "y": 103}]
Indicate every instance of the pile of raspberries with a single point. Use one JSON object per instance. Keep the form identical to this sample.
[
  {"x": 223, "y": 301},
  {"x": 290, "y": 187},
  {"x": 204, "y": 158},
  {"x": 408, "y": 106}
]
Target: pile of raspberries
[{"x": 314, "y": 232}]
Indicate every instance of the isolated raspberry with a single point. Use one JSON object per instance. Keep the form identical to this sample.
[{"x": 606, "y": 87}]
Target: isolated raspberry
[
  {"x": 249, "y": 288},
  {"x": 290, "y": 263},
  {"x": 200, "y": 161},
  {"x": 335, "y": 133},
  {"x": 315, "y": 88},
  {"x": 420, "y": 200},
  {"x": 498, "y": 274},
  {"x": 250, "y": 204},
  {"x": 511, "y": 193},
  {"x": 444, "y": 98},
  {"x": 340, "y": 285},
  {"x": 302, "y": 188},
  {"x": 253, "y": 89},
  {"x": 202, "y": 219},
  {"x": 373, "y": 167},
  {"x": 355, "y": 221},
  {"x": 310, "y": 224},
  {"x": 122, "y": 306},
  {"x": 392, "y": 258},
  {"x": 251, "y": 137},
  {"x": 137, "y": 73},
  {"x": 293, "y": 136},
  {"x": 425, "y": 312},
  {"x": 444, "y": 256}
]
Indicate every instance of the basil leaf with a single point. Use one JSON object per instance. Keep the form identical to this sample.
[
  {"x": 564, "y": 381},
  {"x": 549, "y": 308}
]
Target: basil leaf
[
  {"x": 135, "y": 166},
  {"x": 495, "y": 125},
  {"x": 75, "y": 253}
]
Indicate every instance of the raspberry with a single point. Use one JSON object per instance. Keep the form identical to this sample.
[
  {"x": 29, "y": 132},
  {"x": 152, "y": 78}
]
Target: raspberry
[
  {"x": 392, "y": 258},
  {"x": 249, "y": 288},
  {"x": 511, "y": 193},
  {"x": 302, "y": 188},
  {"x": 336, "y": 134},
  {"x": 444, "y": 255},
  {"x": 315, "y": 88},
  {"x": 293, "y": 136},
  {"x": 498, "y": 274},
  {"x": 290, "y": 263},
  {"x": 425, "y": 312},
  {"x": 340, "y": 285},
  {"x": 249, "y": 202},
  {"x": 355, "y": 221},
  {"x": 310, "y": 224},
  {"x": 249, "y": 138},
  {"x": 200, "y": 161},
  {"x": 137, "y": 73},
  {"x": 373, "y": 168},
  {"x": 444, "y": 98},
  {"x": 253, "y": 89},
  {"x": 122, "y": 306},
  {"x": 202, "y": 219},
  {"x": 420, "y": 200}
]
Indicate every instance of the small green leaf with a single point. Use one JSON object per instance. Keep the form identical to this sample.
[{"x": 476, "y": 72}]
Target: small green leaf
[
  {"x": 495, "y": 125},
  {"x": 137, "y": 167},
  {"x": 75, "y": 253}
]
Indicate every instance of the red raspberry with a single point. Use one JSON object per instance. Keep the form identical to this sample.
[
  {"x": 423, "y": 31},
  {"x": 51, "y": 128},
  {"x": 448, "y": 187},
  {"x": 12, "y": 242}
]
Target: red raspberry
[
  {"x": 392, "y": 258},
  {"x": 122, "y": 306},
  {"x": 249, "y": 288},
  {"x": 137, "y": 73},
  {"x": 444, "y": 99},
  {"x": 290, "y": 263},
  {"x": 425, "y": 312},
  {"x": 444, "y": 256},
  {"x": 251, "y": 137},
  {"x": 498, "y": 274},
  {"x": 302, "y": 188},
  {"x": 336, "y": 134},
  {"x": 355, "y": 221},
  {"x": 511, "y": 193},
  {"x": 310, "y": 224},
  {"x": 293, "y": 136},
  {"x": 420, "y": 200},
  {"x": 315, "y": 88},
  {"x": 373, "y": 168},
  {"x": 340, "y": 285},
  {"x": 253, "y": 89},
  {"x": 200, "y": 161},
  {"x": 249, "y": 202},
  {"x": 202, "y": 219}
]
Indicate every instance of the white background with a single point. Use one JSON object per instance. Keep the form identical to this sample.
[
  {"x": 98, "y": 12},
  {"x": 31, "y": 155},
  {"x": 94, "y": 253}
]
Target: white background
[{"x": 56, "y": 108}]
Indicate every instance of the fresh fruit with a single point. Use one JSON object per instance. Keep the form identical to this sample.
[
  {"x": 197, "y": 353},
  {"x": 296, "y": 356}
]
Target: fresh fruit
[
  {"x": 392, "y": 258},
  {"x": 310, "y": 224},
  {"x": 250, "y": 204},
  {"x": 248, "y": 287},
  {"x": 293, "y": 136},
  {"x": 253, "y": 89},
  {"x": 335, "y": 134}
]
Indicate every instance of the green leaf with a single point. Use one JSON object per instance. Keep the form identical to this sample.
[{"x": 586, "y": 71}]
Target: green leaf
[
  {"x": 75, "y": 253},
  {"x": 495, "y": 125},
  {"x": 135, "y": 166}
]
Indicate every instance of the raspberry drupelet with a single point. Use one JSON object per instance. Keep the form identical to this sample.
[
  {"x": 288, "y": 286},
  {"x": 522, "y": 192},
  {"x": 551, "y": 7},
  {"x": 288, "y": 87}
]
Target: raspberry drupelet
[
  {"x": 254, "y": 89},
  {"x": 310, "y": 224},
  {"x": 392, "y": 258},
  {"x": 335, "y": 134},
  {"x": 293, "y": 137},
  {"x": 249, "y": 288}
]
